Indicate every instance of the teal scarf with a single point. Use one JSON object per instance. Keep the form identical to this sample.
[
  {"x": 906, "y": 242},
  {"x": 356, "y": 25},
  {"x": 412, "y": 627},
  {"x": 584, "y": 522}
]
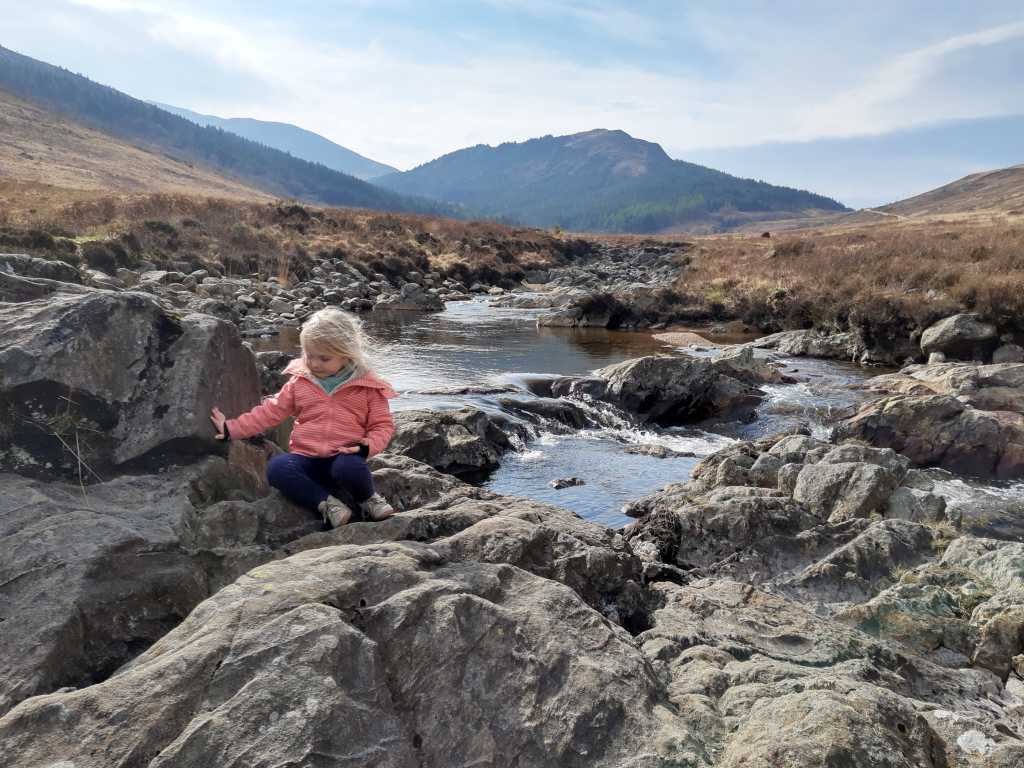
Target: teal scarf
[{"x": 331, "y": 383}]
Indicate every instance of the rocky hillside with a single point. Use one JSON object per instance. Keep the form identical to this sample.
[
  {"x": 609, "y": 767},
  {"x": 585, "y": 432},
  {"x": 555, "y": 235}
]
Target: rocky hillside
[
  {"x": 293, "y": 140},
  {"x": 600, "y": 181}
]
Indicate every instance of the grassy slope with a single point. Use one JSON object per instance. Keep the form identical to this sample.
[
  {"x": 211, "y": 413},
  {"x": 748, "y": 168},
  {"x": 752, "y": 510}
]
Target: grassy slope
[
  {"x": 999, "y": 190},
  {"x": 114, "y": 113},
  {"x": 887, "y": 276},
  {"x": 43, "y": 149}
]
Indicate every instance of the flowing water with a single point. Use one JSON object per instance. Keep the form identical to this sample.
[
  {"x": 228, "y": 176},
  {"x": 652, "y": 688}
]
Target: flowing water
[{"x": 475, "y": 354}]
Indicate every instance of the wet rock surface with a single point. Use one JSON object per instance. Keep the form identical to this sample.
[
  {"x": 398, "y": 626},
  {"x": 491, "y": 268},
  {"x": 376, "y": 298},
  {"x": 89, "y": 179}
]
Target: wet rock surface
[
  {"x": 467, "y": 441},
  {"x": 667, "y": 390}
]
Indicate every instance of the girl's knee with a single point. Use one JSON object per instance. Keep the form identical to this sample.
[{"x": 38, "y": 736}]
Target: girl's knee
[
  {"x": 347, "y": 465},
  {"x": 281, "y": 467}
]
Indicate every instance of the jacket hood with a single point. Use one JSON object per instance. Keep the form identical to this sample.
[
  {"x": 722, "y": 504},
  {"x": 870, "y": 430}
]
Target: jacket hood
[{"x": 298, "y": 368}]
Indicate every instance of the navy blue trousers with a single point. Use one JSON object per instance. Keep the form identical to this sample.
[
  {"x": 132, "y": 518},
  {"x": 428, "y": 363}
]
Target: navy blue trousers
[{"x": 307, "y": 480}]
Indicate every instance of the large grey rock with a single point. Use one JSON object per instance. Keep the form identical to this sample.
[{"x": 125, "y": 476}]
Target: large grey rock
[
  {"x": 864, "y": 566},
  {"x": 741, "y": 363},
  {"x": 15, "y": 288},
  {"x": 666, "y": 390},
  {"x": 996, "y": 387},
  {"x": 30, "y": 266},
  {"x": 92, "y": 580},
  {"x": 465, "y": 441},
  {"x": 850, "y": 481},
  {"x": 942, "y": 431},
  {"x": 810, "y": 343},
  {"x": 961, "y": 337},
  {"x": 96, "y": 380},
  {"x": 970, "y": 601},
  {"x": 89, "y": 581},
  {"x": 377, "y": 655}
]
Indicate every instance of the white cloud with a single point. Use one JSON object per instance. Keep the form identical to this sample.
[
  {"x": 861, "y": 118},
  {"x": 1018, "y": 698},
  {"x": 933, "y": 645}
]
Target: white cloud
[
  {"x": 873, "y": 105},
  {"x": 766, "y": 79}
]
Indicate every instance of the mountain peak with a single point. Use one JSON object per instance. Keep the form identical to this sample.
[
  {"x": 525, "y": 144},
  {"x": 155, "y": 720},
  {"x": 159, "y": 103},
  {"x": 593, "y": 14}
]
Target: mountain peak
[
  {"x": 599, "y": 179},
  {"x": 630, "y": 156}
]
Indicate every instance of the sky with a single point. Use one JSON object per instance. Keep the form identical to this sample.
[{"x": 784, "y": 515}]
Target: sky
[{"x": 867, "y": 101}]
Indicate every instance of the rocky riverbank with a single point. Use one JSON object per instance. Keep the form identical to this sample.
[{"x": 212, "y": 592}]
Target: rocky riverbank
[{"x": 798, "y": 601}]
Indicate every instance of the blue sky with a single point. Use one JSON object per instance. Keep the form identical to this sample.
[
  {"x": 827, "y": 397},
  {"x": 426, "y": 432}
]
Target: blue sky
[{"x": 719, "y": 82}]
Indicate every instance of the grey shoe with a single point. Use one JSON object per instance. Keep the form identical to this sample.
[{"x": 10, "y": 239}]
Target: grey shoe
[
  {"x": 376, "y": 508},
  {"x": 335, "y": 512}
]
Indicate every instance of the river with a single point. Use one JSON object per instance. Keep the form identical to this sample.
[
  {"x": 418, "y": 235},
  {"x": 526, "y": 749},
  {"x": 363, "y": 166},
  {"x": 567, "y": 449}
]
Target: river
[{"x": 427, "y": 357}]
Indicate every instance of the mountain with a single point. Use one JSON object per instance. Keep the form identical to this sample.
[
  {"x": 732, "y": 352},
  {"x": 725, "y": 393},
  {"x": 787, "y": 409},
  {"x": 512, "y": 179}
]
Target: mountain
[
  {"x": 117, "y": 114},
  {"x": 42, "y": 147},
  {"x": 599, "y": 180},
  {"x": 999, "y": 190},
  {"x": 291, "y": 139}
]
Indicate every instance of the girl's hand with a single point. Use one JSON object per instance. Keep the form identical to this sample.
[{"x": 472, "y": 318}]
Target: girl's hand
[
  {"x": 349, "y": 449},
  {"x": 219, "y": 420}
]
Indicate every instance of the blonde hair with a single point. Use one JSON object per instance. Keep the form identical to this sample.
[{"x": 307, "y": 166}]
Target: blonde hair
[{"x": 338, "y": 332}]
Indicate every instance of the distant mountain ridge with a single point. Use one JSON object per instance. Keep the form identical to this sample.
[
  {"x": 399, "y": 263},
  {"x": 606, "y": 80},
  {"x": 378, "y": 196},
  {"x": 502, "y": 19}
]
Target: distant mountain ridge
[
  {"x": 602, "y": 180},
  {"x": 292, "y": 139},
  {"x": 115, "y": 113}
]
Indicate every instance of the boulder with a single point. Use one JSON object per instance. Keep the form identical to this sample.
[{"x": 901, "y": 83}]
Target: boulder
[
  {"x": 850, "y": 481},
  {"x": 90, "y": 581},
  {"x": 961, "y": 337},
  {"x": 568, "y": 317},
  {"x": 15, "y": 288},
  {"x": 995, "y": 387},
  {"x": 549, "y": 412},
  {"x": 741, "y": 363},
  {"x": 865, "y": 565},
  {"x": 810, "y": 343},
  {"x": 97, "y": 380},
  {"x": 666, "y": 390},
  {"x": 30, "y": 266},
  {"x": 364, "y": 654},
  {"x": 940, "y": 431},
  {"x": 463, "y": 442},
  {"x": 771, "y": 683}
]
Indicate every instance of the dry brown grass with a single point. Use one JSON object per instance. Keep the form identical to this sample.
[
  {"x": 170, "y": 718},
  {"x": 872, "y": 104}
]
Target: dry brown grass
[
  {"x": 273, "y": 238},
  {"x": 901, "y": 275},
  {"x": 42, "y": 148}
]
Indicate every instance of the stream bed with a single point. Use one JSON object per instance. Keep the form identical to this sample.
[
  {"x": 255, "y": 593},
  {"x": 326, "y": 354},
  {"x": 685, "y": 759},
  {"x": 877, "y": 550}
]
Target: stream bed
[{"x": 433, "y": 359}]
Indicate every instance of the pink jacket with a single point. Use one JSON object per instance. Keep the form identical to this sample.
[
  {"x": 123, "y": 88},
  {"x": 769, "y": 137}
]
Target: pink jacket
[{"x": 356, "y": 412}]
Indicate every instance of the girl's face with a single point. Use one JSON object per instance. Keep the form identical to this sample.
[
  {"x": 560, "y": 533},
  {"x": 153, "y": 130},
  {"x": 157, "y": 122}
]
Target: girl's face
[{"x": 323, "y": 363}]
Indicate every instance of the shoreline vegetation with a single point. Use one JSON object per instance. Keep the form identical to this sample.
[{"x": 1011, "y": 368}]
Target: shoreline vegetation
[{"x": 887, "y": 281}]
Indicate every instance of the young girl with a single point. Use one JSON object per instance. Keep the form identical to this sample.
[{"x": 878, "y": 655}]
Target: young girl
[{"x": 341, "y": 417}]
